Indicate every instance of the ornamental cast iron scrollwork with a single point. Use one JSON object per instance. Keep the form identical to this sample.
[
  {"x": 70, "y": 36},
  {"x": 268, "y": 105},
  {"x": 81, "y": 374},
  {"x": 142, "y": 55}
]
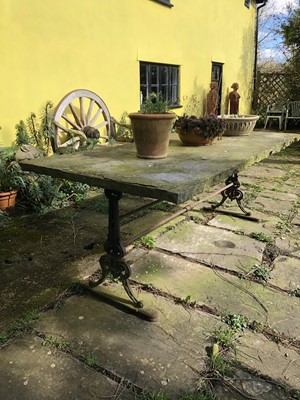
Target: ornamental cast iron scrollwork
[{"x": 233, "y": 193}]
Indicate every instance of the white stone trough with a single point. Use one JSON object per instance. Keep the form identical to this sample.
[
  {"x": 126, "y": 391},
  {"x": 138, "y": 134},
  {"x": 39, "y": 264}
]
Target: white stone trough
[{"x": 239, "y": 124}]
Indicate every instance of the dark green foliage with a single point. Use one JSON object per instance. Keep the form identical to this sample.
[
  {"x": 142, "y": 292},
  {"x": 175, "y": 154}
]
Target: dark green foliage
[
  {"x": 295, "y": 292},
  {"x": 262, "y": 273},
  {"x": 236, "y": 321},
  {"x": 40, "y": 131},
  {"x": 262, "y": 237},
  {"x": 19, "y": 326},
  {"x": 146, "y": 241},
  {"x": 147, "y": 395},
  {"x": 11, "y": 175},
  {"x": 290, "y": 30},
  {"x": 22, "y": 134},
  {"x": 74, "y": 191},
  {"x": 43, "y": 193},
  {"x": 38, "y": 192},
  {"x": 4, "y": 219},
  {"x": 209, "y": 126},
  {"x": 226, "y": 338},
  {"x": 204, "y": 394},
  {"x": 162, "y": 206}
]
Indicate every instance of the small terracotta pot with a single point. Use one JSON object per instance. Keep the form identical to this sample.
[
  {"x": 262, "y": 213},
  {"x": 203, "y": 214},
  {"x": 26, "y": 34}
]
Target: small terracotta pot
[
  {"x": 151, "y": 133},
  {"x": 8, "y": 200},
  {"x": 193, "y": 139}
]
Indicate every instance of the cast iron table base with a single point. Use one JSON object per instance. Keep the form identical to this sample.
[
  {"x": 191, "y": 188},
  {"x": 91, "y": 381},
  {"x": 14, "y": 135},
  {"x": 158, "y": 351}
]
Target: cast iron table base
[
  {"x": 113, "y": 264},
  {"x": 233, "y": 193}
]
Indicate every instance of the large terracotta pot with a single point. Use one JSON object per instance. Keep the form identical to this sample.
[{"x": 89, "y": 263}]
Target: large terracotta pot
[
  {"x": 193, "y": 139},
  {"x": 8, "y": 200},
  {"x": 151, "y": 133}
]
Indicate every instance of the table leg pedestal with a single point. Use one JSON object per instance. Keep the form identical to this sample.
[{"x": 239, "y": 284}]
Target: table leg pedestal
[
  {"x": 113, "y": 264},
  {"x": 232, "y": 193}
]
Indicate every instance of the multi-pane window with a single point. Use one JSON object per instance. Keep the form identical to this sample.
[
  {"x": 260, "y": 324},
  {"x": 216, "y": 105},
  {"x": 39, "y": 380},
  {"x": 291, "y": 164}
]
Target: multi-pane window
[{"x": 160, "y": 78}]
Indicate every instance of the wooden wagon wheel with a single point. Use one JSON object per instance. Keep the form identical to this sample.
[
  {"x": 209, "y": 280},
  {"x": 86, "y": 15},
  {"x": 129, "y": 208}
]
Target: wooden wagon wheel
[{"x": 81, "y": 113}]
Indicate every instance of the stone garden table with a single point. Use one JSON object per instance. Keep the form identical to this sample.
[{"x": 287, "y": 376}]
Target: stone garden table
[{"x": 186, "y": 171}]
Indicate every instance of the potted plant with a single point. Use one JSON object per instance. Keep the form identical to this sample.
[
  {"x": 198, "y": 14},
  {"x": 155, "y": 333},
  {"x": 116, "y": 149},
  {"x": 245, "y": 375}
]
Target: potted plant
[
  {"x": 152, "y": 127},
  {"x": 194, "y": 131},
  {"x": 10, "y": 178}
]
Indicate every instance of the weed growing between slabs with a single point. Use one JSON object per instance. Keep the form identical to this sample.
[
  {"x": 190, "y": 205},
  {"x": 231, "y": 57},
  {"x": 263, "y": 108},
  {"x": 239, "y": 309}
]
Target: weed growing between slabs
[{"x": 146, "y": 241}]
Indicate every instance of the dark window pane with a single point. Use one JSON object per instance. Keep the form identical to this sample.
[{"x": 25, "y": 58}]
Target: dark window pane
[
  {"x": 174, "y": 76},
  {"x": 154, "y": 89},
  {"x": 174, "y": 98},
  {"x": 154, "y": 75},
  {"x": 164, "y": 92},
  {"x": 143, "y": 74},
  {"x": 164, "y": 75}
]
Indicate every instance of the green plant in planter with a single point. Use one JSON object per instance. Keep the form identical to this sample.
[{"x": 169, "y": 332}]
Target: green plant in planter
[
  {"x": 11, "y": 175},
  {"x": 151, "y": 127},
  {"x": 209, "y": 126},
  {"x": 11, "y": 178},
  {"x": 155, "y": 104}
]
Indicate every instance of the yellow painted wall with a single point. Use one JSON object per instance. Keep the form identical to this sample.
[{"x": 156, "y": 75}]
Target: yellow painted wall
[{"x": 50, "y": 47}]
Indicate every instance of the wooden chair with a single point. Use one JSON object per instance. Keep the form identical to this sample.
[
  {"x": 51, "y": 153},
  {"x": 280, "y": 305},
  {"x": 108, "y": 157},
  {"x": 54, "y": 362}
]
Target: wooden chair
[
  {"x": 275, "y": 111},
  {"x": 292, "y": 112}
]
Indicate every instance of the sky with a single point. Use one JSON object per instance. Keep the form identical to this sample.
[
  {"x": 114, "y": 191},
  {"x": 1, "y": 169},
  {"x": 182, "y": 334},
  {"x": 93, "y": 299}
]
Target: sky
[
  {"x": 270, "y": 17},
  {"x": 279, "y": 5}
]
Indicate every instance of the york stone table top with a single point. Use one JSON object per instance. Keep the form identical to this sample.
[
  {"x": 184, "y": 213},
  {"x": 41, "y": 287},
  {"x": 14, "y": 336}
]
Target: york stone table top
[{"x": 185, "y": 172}]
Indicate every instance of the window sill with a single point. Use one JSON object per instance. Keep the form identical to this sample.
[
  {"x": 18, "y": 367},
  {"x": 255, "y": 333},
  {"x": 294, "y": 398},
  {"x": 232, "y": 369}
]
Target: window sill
[
  {"x": 175, "y": 106},
  {"x": 164, "y": 3}
]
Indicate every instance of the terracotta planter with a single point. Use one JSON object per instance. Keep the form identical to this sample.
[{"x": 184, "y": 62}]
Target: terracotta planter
[
  {"x": 7, "y": 200},
  {"x": 193, "y": 139},
  {"x": 151, "y": 133}
]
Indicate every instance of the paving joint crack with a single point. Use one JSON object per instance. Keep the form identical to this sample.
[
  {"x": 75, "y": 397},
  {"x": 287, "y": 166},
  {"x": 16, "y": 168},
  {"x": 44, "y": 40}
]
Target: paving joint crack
[{"x": 96, "y": 367}]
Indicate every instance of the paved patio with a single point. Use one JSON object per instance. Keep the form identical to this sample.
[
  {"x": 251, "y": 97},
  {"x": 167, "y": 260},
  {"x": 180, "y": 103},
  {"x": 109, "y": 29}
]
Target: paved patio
[{"x": 204, "y": 269}]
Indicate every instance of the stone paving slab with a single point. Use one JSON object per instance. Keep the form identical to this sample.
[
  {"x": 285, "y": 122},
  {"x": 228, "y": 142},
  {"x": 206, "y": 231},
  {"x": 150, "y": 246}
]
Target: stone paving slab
[
  {"x": 260, "y": 171},
  {"x": 259, "y": 353},
  {"x": 148, "y": 222},
  {"x": 279, "y": 195},
  {"x": 138, "y": 225},
  {"x": 249, "y": 183},
  {"x": 290, "y": 243},
  {"x": 220, "y": 291},
  {"x": 252, "y": 386},
  {"x": 152, "y": 355},
  {"x": 292, "y": 185},
  {"x": 279, "y": 204},
  {"x": 212, "y": 245},
  {"x": 267, "y": 223},
  {"x": 286, "y": 273},
  {"x": 31, "y": 371}
]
